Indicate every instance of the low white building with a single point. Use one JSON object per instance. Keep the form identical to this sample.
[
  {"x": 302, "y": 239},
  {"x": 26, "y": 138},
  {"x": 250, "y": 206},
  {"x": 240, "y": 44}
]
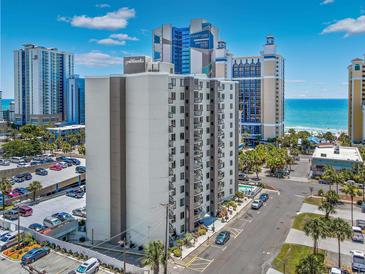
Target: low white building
[{"x": 335, "y": 156}]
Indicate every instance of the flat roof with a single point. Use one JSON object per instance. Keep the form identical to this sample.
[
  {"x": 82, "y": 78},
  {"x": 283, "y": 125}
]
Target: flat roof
[
  {"x": 70, "y": 127},
  {"x": 345, "y": 153}
]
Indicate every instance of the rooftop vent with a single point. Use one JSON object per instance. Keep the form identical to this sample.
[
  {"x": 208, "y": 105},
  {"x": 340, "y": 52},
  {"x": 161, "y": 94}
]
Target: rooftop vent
[
  {"x": 324, "y": 155},
  {"x": 337, "y": 150}
]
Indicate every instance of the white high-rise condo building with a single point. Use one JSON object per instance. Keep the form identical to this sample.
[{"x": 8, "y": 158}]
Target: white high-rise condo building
[
  {"x": 158, "y": 139},
  {"x": 40, "y": 76}
]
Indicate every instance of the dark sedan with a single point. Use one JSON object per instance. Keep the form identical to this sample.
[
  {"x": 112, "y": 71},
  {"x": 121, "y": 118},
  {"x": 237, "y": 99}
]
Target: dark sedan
[
  {"x": 37, "y": 227},
  {"x": 222, "y": 237},
  {"x": 41, "y": 171},
  {"x": 34, "y": 254}
]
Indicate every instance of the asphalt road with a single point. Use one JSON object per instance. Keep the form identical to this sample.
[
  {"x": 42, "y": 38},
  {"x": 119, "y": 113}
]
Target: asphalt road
[{"x": 261, "y": 233}]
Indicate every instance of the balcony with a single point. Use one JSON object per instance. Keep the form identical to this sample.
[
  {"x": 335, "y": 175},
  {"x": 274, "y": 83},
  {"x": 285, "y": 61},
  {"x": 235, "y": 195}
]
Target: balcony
[
  {"x": 198, "y": 131},
  {"x": 198, "y": 165},
  {"x": 220, "y": 122},
  {"x": 220, "y": 110},
  {"x": 198, "y": 100},
  {"x": 198, "y": 177},
  {"x": 197, "y": 148},
  {"x": 171, "y": 143},
  {"x": 220, "y": 175},
  {"x": 198, "y": 203},
  {"x": 221, "y": 144},
  {"x": 172, "y": 192},
  {"x": 198, "y": 213},
  {"x": 220, "y": 132},
  {"x": 171, "y": 214},
  {"x": 198, "y": 124},
  {"x": 171, "y": 171},
  {"x": 172, "y": 178},
  {"x": 220, "y": 155},
  {"x": 198, "y": 154},
  {"x": 171, "y": 115},
  {"x": 198, "y": 190},
  {"x": 220, "y": 186},
  {"x": 171, "y": 129},
  {"x": 172, "y": 230},
  {"x": 198, "y": 113},
  {"x": 172, "y": 203}
]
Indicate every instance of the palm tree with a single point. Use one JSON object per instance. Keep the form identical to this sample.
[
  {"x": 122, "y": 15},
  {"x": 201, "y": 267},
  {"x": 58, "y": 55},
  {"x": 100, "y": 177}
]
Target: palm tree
[
  {"x": 316, "y": 228},
  {"x": 5, "y": 186},
  {"x": 311, "y": 264},
  {"x": 82, "y": 149},
  {"x": 34, "y": 187},
  {"x": 341, "y": 230},
  {"x": 154, "y": 255},
  {"x": 329, "y": 202},
  {"x": 352, "y": 190}
]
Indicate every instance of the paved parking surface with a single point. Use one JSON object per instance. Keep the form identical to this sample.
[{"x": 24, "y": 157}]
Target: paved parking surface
[
  {"x": 47, "y": 208},
  {"x": 52, "y": 263},
  {"x": 53, "y": 177}
]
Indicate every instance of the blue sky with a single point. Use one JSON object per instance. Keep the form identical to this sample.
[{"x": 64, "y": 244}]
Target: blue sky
[{"x": 318, "y": 38}]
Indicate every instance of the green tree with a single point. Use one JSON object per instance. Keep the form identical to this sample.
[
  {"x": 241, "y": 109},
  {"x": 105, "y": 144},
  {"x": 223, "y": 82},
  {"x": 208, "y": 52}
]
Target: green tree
[
  {"x": 332, "y": 176},
  {"x": 329, "y": 136},
  {"x": 316, "y": 229},
  {"x": 154, "y": 255},
  {"x": 311, "y": 264},
  {"x": 5, "y": 187},
  {"x": 340, "y": 230},
  {"x": 66, "y": 147},
  {"x": 344, "y": 140},
  {"x": 352, "y": 190},
  {"x": 329, "y": 202},
  {"x": 34, "y": 187},
  {"x": 82, "y": 149}
]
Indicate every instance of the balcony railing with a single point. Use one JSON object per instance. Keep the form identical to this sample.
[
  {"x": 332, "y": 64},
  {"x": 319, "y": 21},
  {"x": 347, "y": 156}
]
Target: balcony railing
[
  {"x": 220, "y": 155},
  {"x": 198, "y": 100},
  {"x": 198, "y": 113},
  {"x": 220, "y": 175},
  {"x": 221, "y": 144},
  {"x": 198, "y": 190},
  {"x": 172, "y": 204}
]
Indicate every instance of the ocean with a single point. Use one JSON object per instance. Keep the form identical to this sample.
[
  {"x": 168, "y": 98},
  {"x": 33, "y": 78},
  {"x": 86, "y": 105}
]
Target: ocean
[
  {"x": 303, "y": 114},
  {"x": 316, "y": 114}
]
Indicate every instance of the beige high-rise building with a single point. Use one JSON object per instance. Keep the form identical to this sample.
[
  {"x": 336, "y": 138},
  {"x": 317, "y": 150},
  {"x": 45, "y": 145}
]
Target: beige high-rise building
[{"x": 356, "y": 127}]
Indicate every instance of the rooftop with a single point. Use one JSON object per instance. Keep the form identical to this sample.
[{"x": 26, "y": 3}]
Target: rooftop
[
  {"x": 342, "y": 153},
  {"x": 70, "y": 127}
]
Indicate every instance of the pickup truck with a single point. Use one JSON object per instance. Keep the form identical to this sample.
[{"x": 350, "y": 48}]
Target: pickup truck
[{"x": 357, "y": 234}]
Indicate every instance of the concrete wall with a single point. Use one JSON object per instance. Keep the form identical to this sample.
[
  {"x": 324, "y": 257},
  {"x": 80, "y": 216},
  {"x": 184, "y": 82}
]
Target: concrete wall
[{"x": 97, "y": 100}]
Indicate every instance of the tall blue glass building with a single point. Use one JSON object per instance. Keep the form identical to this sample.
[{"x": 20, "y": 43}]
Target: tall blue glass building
[{"x": 75, "y": 100}]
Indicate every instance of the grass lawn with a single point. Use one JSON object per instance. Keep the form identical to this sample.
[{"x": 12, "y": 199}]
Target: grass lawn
[
  {"x": 313, "y": 200},
  {"x": 291, "y": 254},
  {"x": 302, "y": 218}
]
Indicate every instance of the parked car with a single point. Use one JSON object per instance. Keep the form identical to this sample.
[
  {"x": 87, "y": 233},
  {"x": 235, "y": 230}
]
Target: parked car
[
  {"x": 34, "y": 254},
  {"x": 60, "y": 158},
  {"x": 63, "y": 216},
  {"x": 361, "y": 224},
  {"x": 68, "y": 161},
  {"x": 25, "y": 211},
  {"x": 79, "y": 212},
  {"x": 357, "y": 234},
  {"x": 51, "y": 222},
  {"x": 35, "y": 163},
  {"x": 222, "y": 237},
  {"x": 80, "y": 169},
  {"x": 63, "y": 164},
  {"x": 4, "y": 162},
  {"x": 8, "y": 240},
  {"x": 75, "y": 161},
  {"x": 22, "y": 164},
  {"x": 23, "y": 176},
  {"x": 256, "y": 204},
  {"x": 13, "y": 194},
  {"x": 56, "y": 167},
  {"x": 21, "y": 190},
  {"x": 19, "y": 178},
  {"x": 335, "y": 270},
  {"x": 75, "y": 193},
  {"x": 358, "y": 261},
  {"x": 242, "y": 176},
  {"x": 11, "y": 215},
  {"x": 41, "y": 171},
  {"x": 264, "y": 197},
  {"x": 16, "y": 160},
  {"x": 37, "y": 227},
  {"x": 88, "y": 267}
]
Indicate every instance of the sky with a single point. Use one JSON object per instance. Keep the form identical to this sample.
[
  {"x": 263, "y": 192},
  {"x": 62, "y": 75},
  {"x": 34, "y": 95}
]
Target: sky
[{"x": 318, "y": 38}]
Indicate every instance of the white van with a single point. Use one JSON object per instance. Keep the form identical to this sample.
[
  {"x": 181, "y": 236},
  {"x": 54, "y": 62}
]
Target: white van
[
  {"x": 51, "y": 222},
  {"x": 88, "y": 267}
]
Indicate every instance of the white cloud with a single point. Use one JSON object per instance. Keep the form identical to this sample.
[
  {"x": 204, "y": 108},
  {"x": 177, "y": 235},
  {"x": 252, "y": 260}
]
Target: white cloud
[
  {"x": 97, "y": 59},
  {"x": 348, "y": 25},
  {"x": 118, "y": 39},
  {"x": 103, "y": 5},
  {"x": 110, "y": 21},
  {"x": 295, "y": 81},
  {"x": 123, "y": 36},
  {"x": 63, "y": 19},
  {"x": 326, "y": 2}
]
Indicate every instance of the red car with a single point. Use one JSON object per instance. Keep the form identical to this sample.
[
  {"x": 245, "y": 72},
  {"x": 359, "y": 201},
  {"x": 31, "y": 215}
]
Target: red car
[
  {"x": 56, "y": 167},
  {"x": 13, "y": 194}
]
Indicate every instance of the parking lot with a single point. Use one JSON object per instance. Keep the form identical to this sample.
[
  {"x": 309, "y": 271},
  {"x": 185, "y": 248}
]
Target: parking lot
[
  {"x": 52, "y": 263},
  {"x": 53, "y": 177},
  {"x": 47, "y": 208}
]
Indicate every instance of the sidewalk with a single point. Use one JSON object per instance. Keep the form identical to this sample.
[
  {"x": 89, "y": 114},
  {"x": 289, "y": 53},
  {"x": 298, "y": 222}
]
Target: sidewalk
[
  {"x": 330, "y": 244},
  {"x": 342, "y": 213},
  {"x": 273, "y": 271},
  {"x": 218, "y": 226}
]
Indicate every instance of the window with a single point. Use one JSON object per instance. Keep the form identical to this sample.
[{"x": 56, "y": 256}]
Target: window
[
  {"x": 173, "y": 138},
  {"x": 182, "y": 228},
  {"x": 173, "y": 82},
  {"x": 231, "y": 163},
  {"x": 207, "y": 119},
  {"x": 173, "y": 96},
  {"x": 182, "y": 136},
  {"x": 182, "y": 202},
  {"x": 230, "y": 191},
  {"x": 231, "y": 153},
  {"x": 207, "y": 186},
  {"x": 173, "y": 108},
  {"x": 231, "y": 172},
  {"x": 182, "y": 215},
  {"x": 182, "y": 189},
  {"x": 207, "y": 164},
  {"x": 231, "y": 134},
  {"x": 207, "y": 96},
  {"x": 182, "y": 149},
  {"x": 230, "y": 181},
  {"x": 231, "y": 144},
  {"x": 182, "y": 162},
  {"x": 182, "y": 123},
  {"x": 182, "y": 109},
  {"x": 231, "y": 96},
  {"x": 208, "y": 209},
  {"x": 207, "y": 197},
  {"x": 207, "y": 130},
  {"x": 231, "y": 125},
  {"x": 181, "y": 83},
  {"x": 207, "y": 175},
  {"x": 231, "y": 87},
  {"x": 231, "y": 106},
  {"x": 231, "y": 115},
  {"x": 182, "y": 176}
]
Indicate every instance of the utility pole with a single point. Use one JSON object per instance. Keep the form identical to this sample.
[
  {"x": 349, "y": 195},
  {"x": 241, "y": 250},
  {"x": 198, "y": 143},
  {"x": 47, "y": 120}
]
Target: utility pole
[
  {"x": 166, "y": 236},
  {"x": 124, "y": 253},
  {"x": 18, "y": 226}
]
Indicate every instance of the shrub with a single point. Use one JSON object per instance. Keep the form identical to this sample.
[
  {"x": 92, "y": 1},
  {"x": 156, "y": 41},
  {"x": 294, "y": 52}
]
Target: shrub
[
  {"x": 177, "y": 252},
  {"x": 179, "y": 242},
  {"x": 64, "y": 250},
  {"x": 201, "y": 231},
  {"x": 320, "y": 192}
]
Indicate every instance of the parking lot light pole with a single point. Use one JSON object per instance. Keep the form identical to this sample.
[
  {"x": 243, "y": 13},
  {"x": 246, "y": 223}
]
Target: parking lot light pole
[{"x": 18, "y": 226}]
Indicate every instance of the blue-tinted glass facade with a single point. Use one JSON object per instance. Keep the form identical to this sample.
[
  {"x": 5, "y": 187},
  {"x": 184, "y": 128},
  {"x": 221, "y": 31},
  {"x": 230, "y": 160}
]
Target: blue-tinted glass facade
[
  {"x": 249, "y": 74},
  {"x": 181, "y": 50}
]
